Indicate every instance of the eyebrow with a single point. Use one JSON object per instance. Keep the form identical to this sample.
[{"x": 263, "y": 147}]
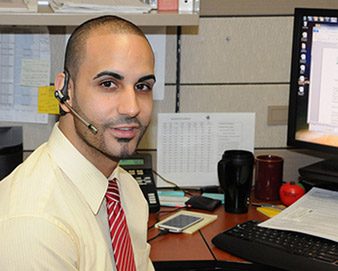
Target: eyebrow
[
  {"x": 109, "y": 73},
  {"x": 147, "y": 77},
  {"x": 121, "y": 77}
]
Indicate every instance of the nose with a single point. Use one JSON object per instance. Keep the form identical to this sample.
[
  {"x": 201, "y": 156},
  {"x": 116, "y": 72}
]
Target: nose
[{"x": 128, "y": 102}]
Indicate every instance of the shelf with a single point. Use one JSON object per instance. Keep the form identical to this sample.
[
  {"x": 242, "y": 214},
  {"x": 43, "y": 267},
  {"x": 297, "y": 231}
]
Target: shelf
[{"x": 46, "y": 16}]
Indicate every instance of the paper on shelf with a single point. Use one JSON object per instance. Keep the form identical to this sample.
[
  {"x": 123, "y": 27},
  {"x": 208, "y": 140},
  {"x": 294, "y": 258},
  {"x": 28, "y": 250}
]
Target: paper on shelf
[
  {"x": 100, "y": 6},
  {"x": 19, "y": 6},
  {"x": 316, "y": 213}
]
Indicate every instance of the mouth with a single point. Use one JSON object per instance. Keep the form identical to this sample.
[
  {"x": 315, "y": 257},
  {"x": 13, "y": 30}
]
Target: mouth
[{"x": 127, "y": 132}]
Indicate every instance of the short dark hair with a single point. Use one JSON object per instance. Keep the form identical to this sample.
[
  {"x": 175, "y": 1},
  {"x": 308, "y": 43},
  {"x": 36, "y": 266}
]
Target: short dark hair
[{"x": 75, "y": 49}]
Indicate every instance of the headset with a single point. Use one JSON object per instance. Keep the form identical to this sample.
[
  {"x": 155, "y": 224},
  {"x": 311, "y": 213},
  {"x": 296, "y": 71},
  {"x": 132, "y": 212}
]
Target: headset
[{"x": 62, "y": 96}]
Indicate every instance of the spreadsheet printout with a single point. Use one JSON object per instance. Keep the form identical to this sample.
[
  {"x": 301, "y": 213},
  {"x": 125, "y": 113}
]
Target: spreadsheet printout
[{"x": 189, "y": 145}]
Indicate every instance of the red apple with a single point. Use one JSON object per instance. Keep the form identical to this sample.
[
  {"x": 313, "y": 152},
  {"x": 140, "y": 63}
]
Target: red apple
[{"x": 290, "y": 192}]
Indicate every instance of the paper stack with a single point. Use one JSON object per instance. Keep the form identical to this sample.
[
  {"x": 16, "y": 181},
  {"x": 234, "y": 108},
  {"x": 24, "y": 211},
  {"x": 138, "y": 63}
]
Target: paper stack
[
  {"x": 19, "y": 6},
  {"x": 172, "y": 198},
  {"x": 100, "y": 6}
]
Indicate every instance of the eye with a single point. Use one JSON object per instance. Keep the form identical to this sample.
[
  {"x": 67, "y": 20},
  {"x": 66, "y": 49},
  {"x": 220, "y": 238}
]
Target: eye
[
  {"x": 143, "y": 87},
  {"x": 108, "y": 84}
]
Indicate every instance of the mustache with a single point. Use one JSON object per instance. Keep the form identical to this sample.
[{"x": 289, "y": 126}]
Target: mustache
[{"x": 122, "y": 120}]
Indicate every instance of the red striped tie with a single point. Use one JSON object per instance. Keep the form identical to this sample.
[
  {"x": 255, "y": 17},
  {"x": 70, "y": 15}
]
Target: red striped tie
[{"x": 123, "y": 250}]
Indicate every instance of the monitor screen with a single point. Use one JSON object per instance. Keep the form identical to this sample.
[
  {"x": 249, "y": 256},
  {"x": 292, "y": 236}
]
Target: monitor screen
[{"x": 313, "y": 105}]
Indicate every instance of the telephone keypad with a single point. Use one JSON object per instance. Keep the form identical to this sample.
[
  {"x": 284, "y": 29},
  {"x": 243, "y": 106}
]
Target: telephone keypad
[
  {"x": 152, "y": 198},
  {"x": 144, "y": 177},
  {"x": 140, "y": 176}
]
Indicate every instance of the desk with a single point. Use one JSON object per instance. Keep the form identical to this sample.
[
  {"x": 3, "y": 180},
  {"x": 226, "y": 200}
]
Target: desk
[{"x": 191, "y": 247}]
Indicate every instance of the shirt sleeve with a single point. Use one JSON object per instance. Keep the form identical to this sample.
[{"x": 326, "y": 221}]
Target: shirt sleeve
[{"x": 36, "y": 243}]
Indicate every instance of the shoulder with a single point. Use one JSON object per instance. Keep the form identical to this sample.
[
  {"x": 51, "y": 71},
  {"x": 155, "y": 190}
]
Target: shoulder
[
  {"x": 28, "y": 241},
  {"x": 27, "y": 188}
]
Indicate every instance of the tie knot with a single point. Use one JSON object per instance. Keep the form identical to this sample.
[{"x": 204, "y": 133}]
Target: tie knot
[{"x": 113, "y": 191}]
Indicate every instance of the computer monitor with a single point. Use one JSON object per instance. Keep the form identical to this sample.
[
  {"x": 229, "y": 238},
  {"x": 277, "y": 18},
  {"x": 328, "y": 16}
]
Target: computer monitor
[
  {"x": 11, "y": 149},
  {"x": 313, "y": 104}
]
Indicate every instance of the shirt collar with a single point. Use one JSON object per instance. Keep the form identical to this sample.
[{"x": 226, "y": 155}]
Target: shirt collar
[{"x": 87, "y": 178}]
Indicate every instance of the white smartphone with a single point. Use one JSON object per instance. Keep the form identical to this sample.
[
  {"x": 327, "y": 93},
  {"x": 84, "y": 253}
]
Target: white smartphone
[{"x": 178, "y": 223}]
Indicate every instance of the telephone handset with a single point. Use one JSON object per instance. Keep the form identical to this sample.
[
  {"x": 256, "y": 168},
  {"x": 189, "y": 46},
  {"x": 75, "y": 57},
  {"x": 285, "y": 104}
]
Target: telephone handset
[{"x": 140, "y": 167}]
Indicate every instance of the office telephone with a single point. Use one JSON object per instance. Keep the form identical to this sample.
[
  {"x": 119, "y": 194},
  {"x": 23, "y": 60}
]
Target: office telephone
[{"x": 140, "y": 167}]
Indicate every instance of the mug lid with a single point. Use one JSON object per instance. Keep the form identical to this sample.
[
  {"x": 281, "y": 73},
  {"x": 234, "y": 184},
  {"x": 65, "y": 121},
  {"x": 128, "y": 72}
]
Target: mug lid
[{"x": 238, "y": 154}]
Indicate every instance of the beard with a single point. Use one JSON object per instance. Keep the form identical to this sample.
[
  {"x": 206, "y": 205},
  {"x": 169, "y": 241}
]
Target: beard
[{"x": 112, "y": 147}]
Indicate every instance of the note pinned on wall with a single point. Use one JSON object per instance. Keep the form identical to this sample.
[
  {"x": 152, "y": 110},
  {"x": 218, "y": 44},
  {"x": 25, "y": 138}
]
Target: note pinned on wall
[
  {"x": 29, "y": 47},
  {"x": 34, "y": 72},
  {"x": 47, "y": 103}
]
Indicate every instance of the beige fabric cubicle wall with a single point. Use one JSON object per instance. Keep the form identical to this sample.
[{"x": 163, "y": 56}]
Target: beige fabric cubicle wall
[{"x": 236, "y": 60}]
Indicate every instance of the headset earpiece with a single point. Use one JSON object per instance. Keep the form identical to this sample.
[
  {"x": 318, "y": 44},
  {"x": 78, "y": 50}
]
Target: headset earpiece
[
  {"x": 62, "y": 94},
  {"x": 64, "y": 90}
]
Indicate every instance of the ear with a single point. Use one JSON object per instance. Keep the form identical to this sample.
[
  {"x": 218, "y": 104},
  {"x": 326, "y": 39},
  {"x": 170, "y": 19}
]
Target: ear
[
  {"x": 59, "y": 81},
  {"x": 59, "y": 84}
]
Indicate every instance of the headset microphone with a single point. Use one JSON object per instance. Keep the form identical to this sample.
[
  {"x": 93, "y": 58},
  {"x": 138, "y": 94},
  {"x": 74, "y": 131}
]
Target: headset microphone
[{"x": 63, "y": 99}]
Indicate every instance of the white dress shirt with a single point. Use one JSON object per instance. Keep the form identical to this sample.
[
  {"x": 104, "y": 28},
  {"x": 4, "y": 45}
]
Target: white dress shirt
[{"x": 53, "y": 213}]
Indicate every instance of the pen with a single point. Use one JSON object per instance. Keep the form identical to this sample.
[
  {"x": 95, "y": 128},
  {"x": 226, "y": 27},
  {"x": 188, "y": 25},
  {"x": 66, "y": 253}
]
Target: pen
[{"x": 265, "y": 205}]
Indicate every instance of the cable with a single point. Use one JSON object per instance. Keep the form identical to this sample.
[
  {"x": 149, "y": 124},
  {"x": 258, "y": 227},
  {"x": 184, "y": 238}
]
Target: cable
[
  {"x": 205, "y": 241},
  {"x": 164, "y": 232},
  {"x": 176, "y": 187}
]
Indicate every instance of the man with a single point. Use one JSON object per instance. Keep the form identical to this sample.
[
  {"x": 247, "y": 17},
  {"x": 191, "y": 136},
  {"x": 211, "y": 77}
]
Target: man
[{"x": 53, "y": 208}]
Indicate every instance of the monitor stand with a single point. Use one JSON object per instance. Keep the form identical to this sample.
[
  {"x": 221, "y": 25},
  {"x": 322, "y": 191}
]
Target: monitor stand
[{"x": 321, "y": 174}]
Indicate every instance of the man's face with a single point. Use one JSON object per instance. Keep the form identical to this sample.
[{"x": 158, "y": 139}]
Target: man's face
[{"x": 113, "y": 91}]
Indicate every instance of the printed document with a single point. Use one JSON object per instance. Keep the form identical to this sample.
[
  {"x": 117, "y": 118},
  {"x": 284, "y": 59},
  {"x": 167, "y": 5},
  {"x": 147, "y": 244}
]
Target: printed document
[
  {"x": 18, "y": 6},
  {"x": 25, "y": 66},
  {"x": 315, "y": 213},
  {"x": 101, "y": 6},
  {"x": 189, "y": 145}
]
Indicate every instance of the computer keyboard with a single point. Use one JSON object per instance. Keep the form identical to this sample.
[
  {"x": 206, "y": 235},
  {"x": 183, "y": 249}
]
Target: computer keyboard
[{"x": 282, "y": 249}]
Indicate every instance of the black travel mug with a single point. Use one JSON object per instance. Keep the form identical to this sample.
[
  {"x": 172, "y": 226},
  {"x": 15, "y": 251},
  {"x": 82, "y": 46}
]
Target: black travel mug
[{"x": 235, "y": 171}]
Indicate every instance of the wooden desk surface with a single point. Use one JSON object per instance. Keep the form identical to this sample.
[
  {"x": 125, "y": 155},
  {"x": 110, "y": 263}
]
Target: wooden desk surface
[
  {"x": 176, "y": 246},
  {"x": 189, "y": 247},
  {"x": 225, "y": 221}
]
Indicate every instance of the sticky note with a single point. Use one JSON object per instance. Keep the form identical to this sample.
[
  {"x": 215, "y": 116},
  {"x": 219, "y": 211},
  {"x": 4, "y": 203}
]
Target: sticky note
[
  {"x": 34, "y": 72},
  {"x": 269, "y": 211},
  {"x": 47, "y": 103}
]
